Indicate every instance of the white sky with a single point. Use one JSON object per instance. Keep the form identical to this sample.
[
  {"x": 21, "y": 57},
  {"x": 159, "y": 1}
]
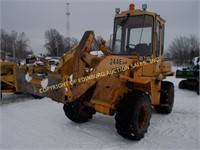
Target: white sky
[{"x": 34, "y": 17}]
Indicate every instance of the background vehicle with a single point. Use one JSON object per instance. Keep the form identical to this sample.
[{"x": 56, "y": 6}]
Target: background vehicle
[
  {"x": 97, "y": 53},
  {"x": 54, "y": 61},
  {"x": 35, "y": 60},
  {"x": 191, "y": 75}
]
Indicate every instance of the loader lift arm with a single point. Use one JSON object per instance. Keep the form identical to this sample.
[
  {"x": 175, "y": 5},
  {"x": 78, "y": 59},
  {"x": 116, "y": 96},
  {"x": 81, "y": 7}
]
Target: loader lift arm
[{"x": 80, "y": 60}]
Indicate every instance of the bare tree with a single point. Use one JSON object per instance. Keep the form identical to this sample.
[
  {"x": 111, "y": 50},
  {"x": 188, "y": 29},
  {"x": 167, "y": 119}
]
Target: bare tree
[
  {"x": 69, "y": 42},
  {"x": 74, "y": 41},
  {"x": 21, "y": 45},
  {"x": 6, "y": 42},
  {"x": 95, "y": 45},
  {"x": 15, "y": 44},
  {"x": 54, "y": 42},
  {"x": 183, "y": 49}
]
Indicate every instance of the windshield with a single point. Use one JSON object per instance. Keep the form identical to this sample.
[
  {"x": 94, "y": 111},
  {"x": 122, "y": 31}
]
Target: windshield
[{"x": 134, "y": 36}]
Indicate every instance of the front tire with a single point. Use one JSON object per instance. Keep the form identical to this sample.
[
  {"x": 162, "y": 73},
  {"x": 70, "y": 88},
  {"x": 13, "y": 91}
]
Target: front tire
[
  {"x": 133, "y": 115},
  {"x": 77, "y": 112},
  {"x": 36, "y": 96}
]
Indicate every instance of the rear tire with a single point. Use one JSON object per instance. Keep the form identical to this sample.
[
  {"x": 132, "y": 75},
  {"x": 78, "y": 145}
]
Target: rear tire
[
  {"x": 133, "y": 115},
  {"x": 166, "y": 98},
  {"x": 77, "y": 112},
  {"x": 182, "y": 85},
  {"x": 197, "y": 90}
]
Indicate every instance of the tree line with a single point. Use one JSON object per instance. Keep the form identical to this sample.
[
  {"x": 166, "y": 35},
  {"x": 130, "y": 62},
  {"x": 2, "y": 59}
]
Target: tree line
[
  {"x": 15, "y": 44},
  {"x": 56, "y": 44},
  {"x": 183, "y": 49}
]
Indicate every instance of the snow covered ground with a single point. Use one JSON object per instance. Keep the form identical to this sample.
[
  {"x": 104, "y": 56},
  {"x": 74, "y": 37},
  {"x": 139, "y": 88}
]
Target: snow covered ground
[{"x": 27, "y": 123}]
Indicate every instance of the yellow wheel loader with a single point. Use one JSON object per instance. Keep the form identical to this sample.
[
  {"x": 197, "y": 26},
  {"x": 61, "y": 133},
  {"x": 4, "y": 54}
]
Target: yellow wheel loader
[{"x": 126, "y": 81}]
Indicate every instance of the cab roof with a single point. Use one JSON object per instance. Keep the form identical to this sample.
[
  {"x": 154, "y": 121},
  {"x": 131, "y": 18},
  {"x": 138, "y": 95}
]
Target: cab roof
[{"x": 136, "y": 12}]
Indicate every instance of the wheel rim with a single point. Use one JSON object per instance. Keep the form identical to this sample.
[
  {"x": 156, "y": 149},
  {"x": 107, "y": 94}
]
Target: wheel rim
[{"x": 142, "y": 118}]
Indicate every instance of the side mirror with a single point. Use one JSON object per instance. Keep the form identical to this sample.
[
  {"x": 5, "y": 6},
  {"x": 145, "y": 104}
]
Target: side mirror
[{"x": 111, "y": 41}]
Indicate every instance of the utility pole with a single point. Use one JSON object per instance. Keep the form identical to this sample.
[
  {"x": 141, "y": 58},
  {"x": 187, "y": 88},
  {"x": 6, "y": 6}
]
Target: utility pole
[
  {"x": 67, "y": 25},
  {"x": 13, "y": 46}
]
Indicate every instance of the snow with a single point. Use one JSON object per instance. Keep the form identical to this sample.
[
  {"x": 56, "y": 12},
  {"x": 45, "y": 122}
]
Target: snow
[
  {"x": 32, "y": 124},
  {"x": 44, "y": 83},
  {"x": 97, "y": 53},
  {"x": 39, "y": 63},
  {"x": 28, "y": 78},
  {"x": 53, "y": 67}
]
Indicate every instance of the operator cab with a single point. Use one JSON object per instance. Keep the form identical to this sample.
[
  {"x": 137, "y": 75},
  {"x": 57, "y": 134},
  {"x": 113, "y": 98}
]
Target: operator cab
[{"x": 134, "y": 32}]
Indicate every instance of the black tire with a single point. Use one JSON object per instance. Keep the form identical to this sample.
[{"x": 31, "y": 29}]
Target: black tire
[
  {"x": 133, "y": 115},
  {"x": 166, "y": 98},
  {"x": 197, "y": 89},
  {"x": 182, "y": 85},
  {"x": 36, "y": 96},
  {"x": 77, "y": 112}
]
